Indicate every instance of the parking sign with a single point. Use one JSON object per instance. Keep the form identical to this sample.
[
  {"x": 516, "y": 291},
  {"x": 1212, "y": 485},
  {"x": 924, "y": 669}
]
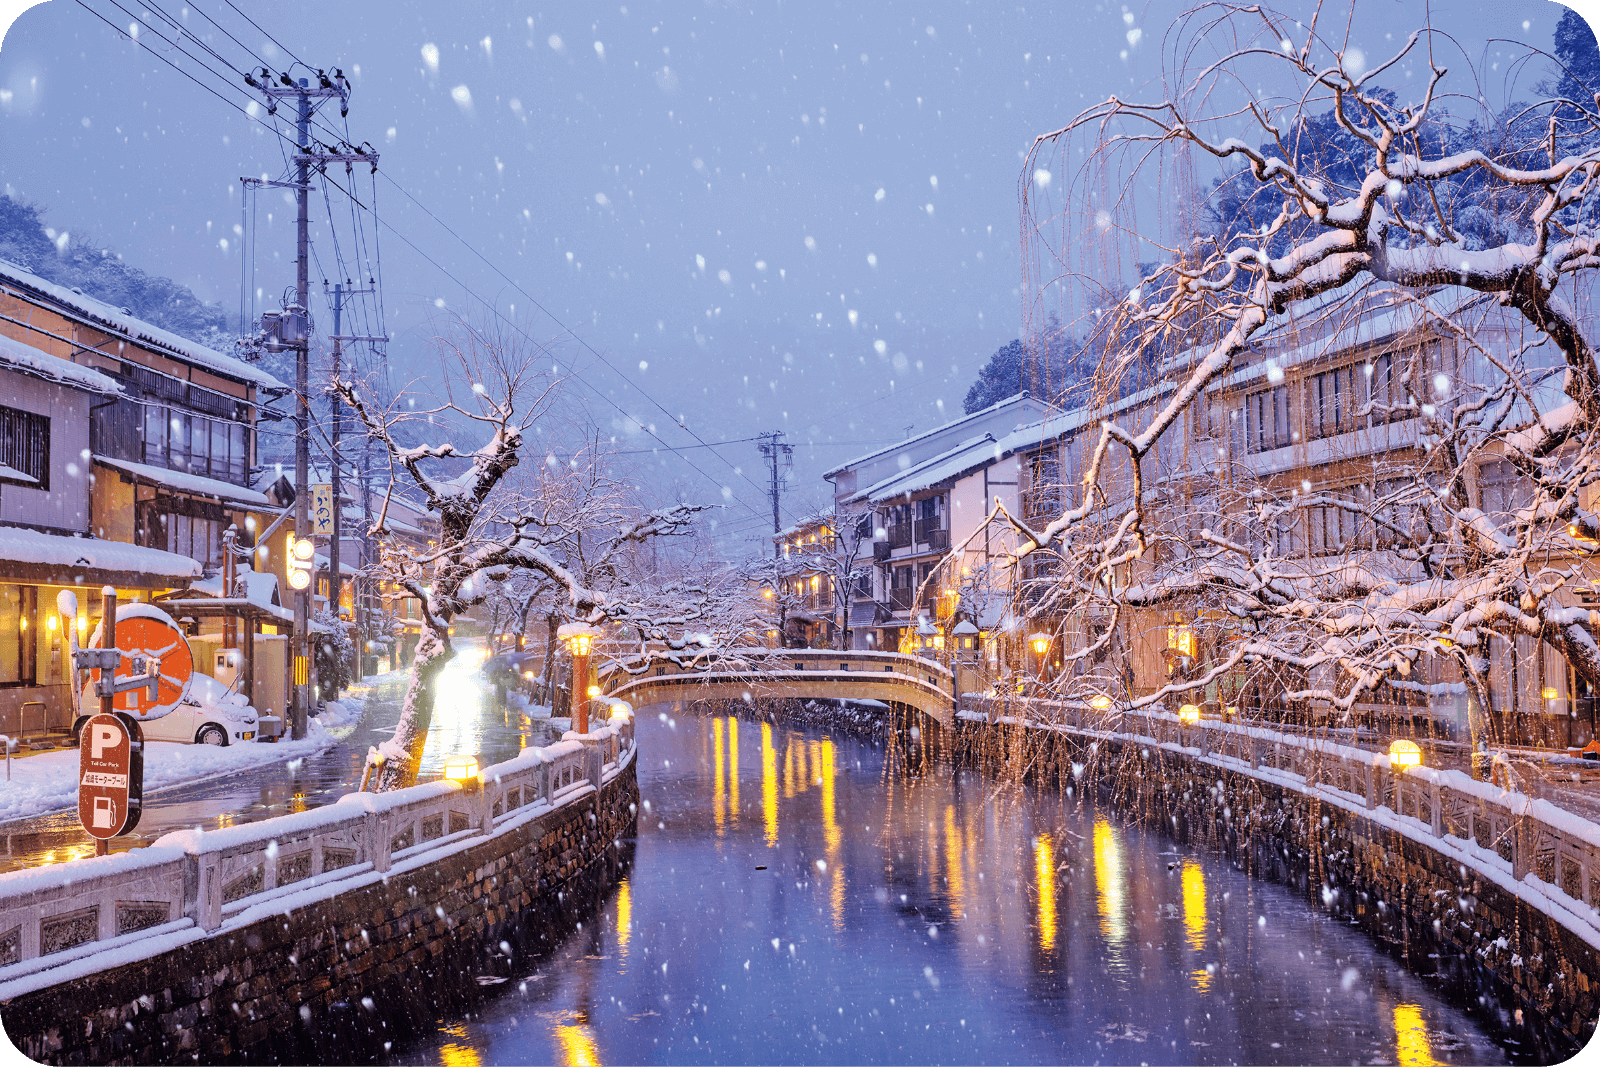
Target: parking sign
[{"x": 110, "y": 775}]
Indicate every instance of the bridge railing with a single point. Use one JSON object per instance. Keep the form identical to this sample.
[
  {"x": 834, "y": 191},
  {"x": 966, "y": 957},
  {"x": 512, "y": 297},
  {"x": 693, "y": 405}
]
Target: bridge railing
[
  {"x": 1522, "y": 836},
  {"x": 207, "y": 879}
]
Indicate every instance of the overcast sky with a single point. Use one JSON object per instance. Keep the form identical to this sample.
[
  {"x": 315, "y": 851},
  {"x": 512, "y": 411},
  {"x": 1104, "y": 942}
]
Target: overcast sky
[{"x": 762, "y": 216}]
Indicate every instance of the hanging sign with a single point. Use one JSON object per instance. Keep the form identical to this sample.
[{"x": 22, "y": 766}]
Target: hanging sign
[{"x": 322, "y": 509}]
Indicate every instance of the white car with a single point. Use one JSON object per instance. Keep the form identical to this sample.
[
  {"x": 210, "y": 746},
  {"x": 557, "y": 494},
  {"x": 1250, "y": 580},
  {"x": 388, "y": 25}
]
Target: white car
[{"x": 208, "y": 715}]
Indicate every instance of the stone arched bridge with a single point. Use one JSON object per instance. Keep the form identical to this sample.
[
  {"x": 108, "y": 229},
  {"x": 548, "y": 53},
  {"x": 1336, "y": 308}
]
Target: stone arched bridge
[{"x": 890, "y": 677}]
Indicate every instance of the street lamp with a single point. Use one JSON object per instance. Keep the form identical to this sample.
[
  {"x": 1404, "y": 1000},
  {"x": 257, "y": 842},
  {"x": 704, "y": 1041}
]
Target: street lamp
[
  {"x": 580, "y": 638},
  {"x": 1040, "y": 644},
  {"x": 1100, "y": 702},
  {"x": 1189, "y": 714}
]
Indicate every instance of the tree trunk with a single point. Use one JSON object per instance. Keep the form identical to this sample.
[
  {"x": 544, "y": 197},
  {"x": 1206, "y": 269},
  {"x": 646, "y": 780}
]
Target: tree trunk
[
  {"x": 553, "y": 621},
  {"x": 416, "y": 715}
]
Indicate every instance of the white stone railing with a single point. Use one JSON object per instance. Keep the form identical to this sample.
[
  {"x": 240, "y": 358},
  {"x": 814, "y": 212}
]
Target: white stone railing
[
  {"x": 192, "y": 878},
  {"x": 1524, "y": 838}
]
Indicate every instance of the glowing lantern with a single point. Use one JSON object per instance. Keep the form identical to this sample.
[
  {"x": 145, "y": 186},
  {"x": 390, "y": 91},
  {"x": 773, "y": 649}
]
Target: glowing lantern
[
  {"x": 1040, "y": 643},
  {"x": 1100, "y": 702},
  {"x": 463, "y": 769},
  {"x": 1403, "y": 753},
  {"x": 1189, "y": 714}
]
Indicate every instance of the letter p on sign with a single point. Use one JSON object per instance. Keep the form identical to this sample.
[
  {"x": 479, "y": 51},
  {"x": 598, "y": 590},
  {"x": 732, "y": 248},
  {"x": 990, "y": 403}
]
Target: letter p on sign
[{"x": 102, "y": 738}]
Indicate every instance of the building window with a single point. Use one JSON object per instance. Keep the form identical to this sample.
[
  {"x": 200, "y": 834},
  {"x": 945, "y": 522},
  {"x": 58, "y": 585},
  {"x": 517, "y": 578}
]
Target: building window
[
  {"x": 1333, "y": 399},
  {"x": 863, "y": 585},
  {"x": 183, "y": 441},
  {"x": 1267, "y": 419},
  {"x": 1504, "y": 491},
  {"x": 19, "y": 639},
  {"x": 25, "y": 443}
]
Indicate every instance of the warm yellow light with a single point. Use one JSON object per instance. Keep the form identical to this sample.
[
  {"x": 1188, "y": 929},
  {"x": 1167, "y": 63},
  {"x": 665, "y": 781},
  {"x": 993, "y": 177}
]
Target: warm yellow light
[
  {"x": 1180, "y": 639},
  {"x": 1100, "y": 702},
  {"x": 304, "y": 549},
  {"x": 1189, "y": 713},
  {"x": 461, "y": 768},
  {"x": 51, "y": 623},
  {"x": 767, "y": 593},
  {"x": 528, "y": 675},
  {"x": 593, "y": 690},
  {"x": 1403, "y": 753},
  {"x": 83, "y": 624},
  {"x": 1549, "y": 692},
  {"x": 938, "y": 640},
  {"x": 579, "y": 644},
  {"x": 1040, "y": 643}
]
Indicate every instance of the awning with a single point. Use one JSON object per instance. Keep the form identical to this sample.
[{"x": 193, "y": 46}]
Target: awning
[
  {"x": 208, "y": 607},
  {"x": 194, "y": 484},
  {"x": 55, "y": 559}
]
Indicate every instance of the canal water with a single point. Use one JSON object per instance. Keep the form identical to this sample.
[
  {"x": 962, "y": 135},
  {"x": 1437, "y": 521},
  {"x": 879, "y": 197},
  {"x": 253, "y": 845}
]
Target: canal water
[{"x": 790, "y": 902}]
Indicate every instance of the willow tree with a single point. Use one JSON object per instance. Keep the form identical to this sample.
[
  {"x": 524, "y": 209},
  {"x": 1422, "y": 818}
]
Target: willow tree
[{"x": 1282, "y": 175}]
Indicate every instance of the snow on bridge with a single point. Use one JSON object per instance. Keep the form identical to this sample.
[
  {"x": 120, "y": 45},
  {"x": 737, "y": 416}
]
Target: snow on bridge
[{"x": 890, "y": 677}]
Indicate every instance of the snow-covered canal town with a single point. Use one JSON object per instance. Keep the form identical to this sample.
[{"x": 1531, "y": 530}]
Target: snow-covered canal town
[{"x": 629, "y": 533}]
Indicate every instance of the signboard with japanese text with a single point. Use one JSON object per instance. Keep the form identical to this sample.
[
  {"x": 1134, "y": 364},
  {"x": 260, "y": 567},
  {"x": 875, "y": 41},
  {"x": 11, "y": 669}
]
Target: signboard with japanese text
[
  {"x": 110, "y": 775},
  {"x": 322, "y": 509}
]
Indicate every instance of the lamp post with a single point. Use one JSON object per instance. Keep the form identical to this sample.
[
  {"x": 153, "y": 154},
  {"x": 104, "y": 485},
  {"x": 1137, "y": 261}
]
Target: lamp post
[
  {"x": 1040, "y": 644},
  {"x": 580, "y": 641}
]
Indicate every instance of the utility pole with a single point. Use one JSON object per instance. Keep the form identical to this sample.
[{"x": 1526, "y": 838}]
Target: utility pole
[
  {"x": 775, "y": 450},
  {"x": 274, "y": 88}
]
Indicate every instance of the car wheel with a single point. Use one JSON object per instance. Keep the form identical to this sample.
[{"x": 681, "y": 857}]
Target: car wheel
[{"x": 213, "y": 734}]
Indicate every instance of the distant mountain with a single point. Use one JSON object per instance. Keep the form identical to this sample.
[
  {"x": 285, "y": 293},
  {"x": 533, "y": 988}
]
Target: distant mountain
[{"x": 100, "y": 272}]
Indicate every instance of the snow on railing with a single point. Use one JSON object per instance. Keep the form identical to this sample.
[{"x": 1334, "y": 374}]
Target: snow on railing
[
  {"x": 1528, "y": 838},
  {"x": 190, "y": 878}
]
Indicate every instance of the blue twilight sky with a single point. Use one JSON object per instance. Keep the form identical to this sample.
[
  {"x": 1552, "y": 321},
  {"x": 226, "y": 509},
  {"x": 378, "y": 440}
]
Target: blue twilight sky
[{"x": 799, "y": 217}]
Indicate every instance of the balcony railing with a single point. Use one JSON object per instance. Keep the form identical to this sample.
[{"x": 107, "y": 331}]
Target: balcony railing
[
  {"x": 881, "y": 550},
  {"x": 900, "y": 535},
  {"x": 901, "y": 599}
]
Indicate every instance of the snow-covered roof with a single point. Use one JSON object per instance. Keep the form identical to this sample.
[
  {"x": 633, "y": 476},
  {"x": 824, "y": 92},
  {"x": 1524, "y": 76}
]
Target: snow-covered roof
[
  {"x": 321, "y": 561},
  {"x": 261, "y": 587},
  {"x": 14, "y": 355},
  {"x": 968, "y": 455},
  {"x": 898, "y": 445},
  {"x": 18, "y": 545},
  {"x": 1046, "y": 429},
  {"x": 181, "y": 482},
  {"x": 118, "y": 321}
]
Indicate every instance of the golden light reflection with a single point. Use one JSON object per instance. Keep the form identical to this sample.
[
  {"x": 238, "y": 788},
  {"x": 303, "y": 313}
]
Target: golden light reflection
[
  {"x": 1108, "y": 877},
  {"x": 1201, "y": 979},
  {"x": 458, "y": 1053},
  {"x": 733, "y": 769},
  {"x": 832, "y": 834},
  {"x": 578, "y": 1048},
  {"x": 769, "y": 785},
  {"x": 954, "y": 867},
  {"x": 1194, "y": 905},
  {"x": 1044, "y": 866},
  {"x": 624, "y": 917},
  {"x": 788, "y": 769},
  {"x": 1411, "y": 1045},
  {"x": 718, "y": 783}
]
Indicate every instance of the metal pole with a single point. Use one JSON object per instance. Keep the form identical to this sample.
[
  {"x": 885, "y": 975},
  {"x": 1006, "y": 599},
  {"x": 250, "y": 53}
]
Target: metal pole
[
  {"x": 580, "y": 692},
  {"x": 335, "y": 579},
  {"x": 776, "y": 524},
  {"x": 302, "y": 455},
  {"x": 108, "y": 626}
]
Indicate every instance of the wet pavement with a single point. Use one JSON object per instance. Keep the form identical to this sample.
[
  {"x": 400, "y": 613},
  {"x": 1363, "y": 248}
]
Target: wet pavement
[
  {"x": 465, "y": 721},
  {"x": 795, "y": 898}
]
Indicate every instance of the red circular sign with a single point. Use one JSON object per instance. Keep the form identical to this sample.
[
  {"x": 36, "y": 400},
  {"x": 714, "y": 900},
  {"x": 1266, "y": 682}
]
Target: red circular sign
[{"x": 148, "y": 634}]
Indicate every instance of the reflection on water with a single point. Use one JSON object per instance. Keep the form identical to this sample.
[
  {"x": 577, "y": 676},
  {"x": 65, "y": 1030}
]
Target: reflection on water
[
  {"x": 930, "y": 920},
  {"x": 769, "y": 784},
  {"x": 1044, "y": 869},
  {"x": 1411, "y": 1046}
]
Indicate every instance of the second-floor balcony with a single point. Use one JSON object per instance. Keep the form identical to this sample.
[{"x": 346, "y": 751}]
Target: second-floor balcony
[
  {"x": 901, "y": 599},
  {"x": 899, "y": 535}
]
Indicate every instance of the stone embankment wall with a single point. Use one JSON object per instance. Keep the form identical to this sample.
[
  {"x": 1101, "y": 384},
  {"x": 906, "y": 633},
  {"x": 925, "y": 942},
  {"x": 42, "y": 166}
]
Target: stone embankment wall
[
  {"x": 1447, "y": 907},
  {"x": 334, "y": 979}
]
